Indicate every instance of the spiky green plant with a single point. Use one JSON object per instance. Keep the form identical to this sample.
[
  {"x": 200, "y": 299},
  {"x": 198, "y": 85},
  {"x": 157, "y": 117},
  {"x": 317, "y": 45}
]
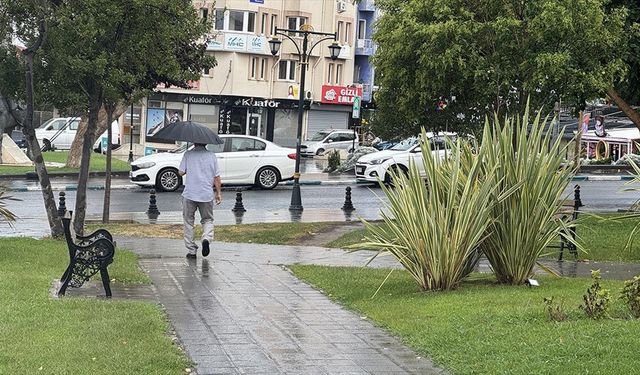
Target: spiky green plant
[
  {"x": 5, "y": 213},
  {"x": 435, "y": 232},
  {"x": 525, "y": 223}
]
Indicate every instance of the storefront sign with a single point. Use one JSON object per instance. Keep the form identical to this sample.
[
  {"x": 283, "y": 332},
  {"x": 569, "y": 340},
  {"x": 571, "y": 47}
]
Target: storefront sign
[
  {"x": 257, "y": 44},
  {"x": 235, "y": 42},
  {"x": 191, "y": 99},
  {"x": 253, "y": 102},
  {"x": 214, "y": 45},
  {"x": 339, "y": 94},
  {"x": 257, "y": 1}
]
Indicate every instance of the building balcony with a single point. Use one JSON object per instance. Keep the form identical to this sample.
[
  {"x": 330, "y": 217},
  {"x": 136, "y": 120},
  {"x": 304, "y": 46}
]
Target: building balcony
[
  {"x": 367, "y": 6},
  {"x": 365, "y": 47}
]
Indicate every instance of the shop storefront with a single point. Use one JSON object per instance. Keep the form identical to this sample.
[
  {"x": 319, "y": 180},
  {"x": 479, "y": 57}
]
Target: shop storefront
[
  {"x": 334, "y": 109},
  {"x": 271, "y": 119}
]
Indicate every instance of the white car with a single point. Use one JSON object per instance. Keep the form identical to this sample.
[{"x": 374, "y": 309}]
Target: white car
[
  {"x": 376, "y": 165},
  {"x": 329, "y": 139},
  {"x": 243, "y": 160},
  {"x": 59, "y": 133}
]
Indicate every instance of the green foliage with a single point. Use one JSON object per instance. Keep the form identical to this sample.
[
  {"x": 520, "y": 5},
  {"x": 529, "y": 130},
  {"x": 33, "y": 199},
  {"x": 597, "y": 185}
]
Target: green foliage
[
  {"x": 596, "y": 300},
  {"x": 434, "y": 232},
  {"x": 5, "y": 213},
  {"x": 631, "y": 295},
  {"x": 554, "y": 310},
  {"x": 333, "y": 160},
  {"x": 524, "y": 224},
  {"x": 491, "y": 56}
]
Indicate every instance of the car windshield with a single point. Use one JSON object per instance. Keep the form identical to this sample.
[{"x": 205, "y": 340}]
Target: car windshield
[
  {"x": 319, "y": 136},
  {"x": 405, "y": 144}
]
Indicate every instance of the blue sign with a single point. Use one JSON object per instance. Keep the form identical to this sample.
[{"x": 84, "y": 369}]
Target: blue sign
[{"x": 257, "y": 1}]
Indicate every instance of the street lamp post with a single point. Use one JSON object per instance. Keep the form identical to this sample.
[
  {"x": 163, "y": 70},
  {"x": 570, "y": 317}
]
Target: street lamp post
[
  {"x": 334, "y": 49},
  {"x": 131, "y": 135}
]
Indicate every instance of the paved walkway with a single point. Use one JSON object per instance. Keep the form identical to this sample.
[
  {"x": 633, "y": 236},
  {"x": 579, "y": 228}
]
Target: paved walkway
[{"x": 240, "y": 311}]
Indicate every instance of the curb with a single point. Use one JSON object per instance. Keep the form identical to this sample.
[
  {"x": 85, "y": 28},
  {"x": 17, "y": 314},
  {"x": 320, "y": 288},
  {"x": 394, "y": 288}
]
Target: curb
[
  {"x": 603, "y": 178},
  {"x": 23, "y": 189}
]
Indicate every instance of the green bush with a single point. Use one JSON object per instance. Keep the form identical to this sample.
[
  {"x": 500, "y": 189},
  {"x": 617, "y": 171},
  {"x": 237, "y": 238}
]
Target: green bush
[
  {"x": 596, "y": 300},
  {"x": 333, "y": 160},
  {"x": 554, "y": 310},
  {"x": 434, "y": 232},
  {"x": 631, "y": 295},
  {"x": 533, "y": 176}
]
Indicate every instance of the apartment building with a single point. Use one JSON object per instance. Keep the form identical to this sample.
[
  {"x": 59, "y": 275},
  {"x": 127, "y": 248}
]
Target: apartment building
[
  {"x": 365, "y": 48},
  {"x": 252, "y": 92}
]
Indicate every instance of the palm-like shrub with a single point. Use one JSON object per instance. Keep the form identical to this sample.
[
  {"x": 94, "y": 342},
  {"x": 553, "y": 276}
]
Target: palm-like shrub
[
  {"x": 434, "y": 231},
  {"x": 5, "y": 213},
  {"x": 524, "y": 223}
]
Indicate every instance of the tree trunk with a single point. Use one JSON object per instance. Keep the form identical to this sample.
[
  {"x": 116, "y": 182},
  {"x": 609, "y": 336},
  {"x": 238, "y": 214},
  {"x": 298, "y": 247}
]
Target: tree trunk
[
  {"x": 32, "y": 143},
  {"x": 107, "y": 181},
  {"x": 95, "y": 102},
  {"x": 633, "y": 115},
  {"x": 75, "y": 153}
]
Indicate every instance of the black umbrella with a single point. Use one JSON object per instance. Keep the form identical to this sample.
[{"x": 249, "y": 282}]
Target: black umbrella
[{"x": 188, "y": 131}]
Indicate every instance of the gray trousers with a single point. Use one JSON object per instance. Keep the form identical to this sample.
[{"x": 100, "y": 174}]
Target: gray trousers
[{"x": 206, "y": 219}]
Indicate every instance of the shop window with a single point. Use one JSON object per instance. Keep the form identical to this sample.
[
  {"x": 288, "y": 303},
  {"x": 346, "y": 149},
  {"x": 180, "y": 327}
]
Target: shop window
[
  {"x": 253, "y": 68},
  {"x": 287, "y": 70},
  {"x": 263, "y": 68},
  {"x": 235, "y": 20}
]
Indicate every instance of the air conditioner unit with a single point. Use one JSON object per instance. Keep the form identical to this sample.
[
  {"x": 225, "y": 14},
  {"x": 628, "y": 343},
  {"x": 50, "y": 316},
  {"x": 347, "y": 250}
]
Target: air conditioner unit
[{"x": 342, "y": 6}]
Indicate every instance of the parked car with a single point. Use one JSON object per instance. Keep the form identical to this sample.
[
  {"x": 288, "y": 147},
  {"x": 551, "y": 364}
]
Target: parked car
[
  {"x": 59, "y": 133},
  {"x": 377, "y": 165},
  {"x": 329, "y": 139},
  {"x": 242, "y": 160},
  {"x": 385, "y": 145},
  {"x": 18, "y": 138}
]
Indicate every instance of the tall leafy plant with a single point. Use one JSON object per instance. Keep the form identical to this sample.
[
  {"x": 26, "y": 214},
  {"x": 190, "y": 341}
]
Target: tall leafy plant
[
  {"x": 5, "y": 213},
  {"x": 434, "y": 231},
  {"x": 525, "y": 223}
]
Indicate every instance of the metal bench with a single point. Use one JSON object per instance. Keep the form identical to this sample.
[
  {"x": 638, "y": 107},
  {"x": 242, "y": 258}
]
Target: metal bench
[{"x": 90, "y": 255}]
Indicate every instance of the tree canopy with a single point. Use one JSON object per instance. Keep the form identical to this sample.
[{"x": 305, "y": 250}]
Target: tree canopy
[{"x": 446, "y": 64}]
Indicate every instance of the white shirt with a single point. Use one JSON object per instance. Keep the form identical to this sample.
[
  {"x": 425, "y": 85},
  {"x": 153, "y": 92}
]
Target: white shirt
[{"x": 201, "y": 167}]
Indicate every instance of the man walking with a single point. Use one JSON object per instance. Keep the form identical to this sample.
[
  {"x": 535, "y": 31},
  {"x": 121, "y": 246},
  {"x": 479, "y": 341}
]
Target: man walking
[{"x": 202, "y": 174}]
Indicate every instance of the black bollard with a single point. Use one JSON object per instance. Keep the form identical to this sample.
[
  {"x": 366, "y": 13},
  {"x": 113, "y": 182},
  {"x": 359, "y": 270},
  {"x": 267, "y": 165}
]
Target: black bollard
[
  {"x": 238, "y": 207},
  {"x": 576, "y": 197},
  {"x": 62, "y": 207},
  {"x": 153, "y": 208},
  {"x": 348, "y": 206}
]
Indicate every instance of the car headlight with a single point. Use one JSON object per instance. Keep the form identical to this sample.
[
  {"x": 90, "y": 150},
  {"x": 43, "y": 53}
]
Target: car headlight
[
  {"x": 377, "y": 161},
  {"x": 148, "y": 164}
]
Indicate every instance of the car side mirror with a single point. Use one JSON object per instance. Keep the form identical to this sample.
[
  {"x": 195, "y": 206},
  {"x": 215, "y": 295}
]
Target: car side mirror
[{"x": 329, "y": 140}]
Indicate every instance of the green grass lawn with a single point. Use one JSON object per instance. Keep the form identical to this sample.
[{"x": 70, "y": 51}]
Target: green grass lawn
[
  {"x": 484, "y": 328},
  {"x": 98, "y": 164},
  {"x": 266, "y": 233},
  {"x": 41, "y": 335},
  {"x": 602, "y": 239}
]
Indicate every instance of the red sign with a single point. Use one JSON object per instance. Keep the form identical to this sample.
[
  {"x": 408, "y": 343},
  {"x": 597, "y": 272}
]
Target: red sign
[{"x": 340, "y": 94}]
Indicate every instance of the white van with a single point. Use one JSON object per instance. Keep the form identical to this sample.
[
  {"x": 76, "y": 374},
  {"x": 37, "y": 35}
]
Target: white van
[
  {"x": 58, "y": 133},
  {"x": 324, "y": 140}
]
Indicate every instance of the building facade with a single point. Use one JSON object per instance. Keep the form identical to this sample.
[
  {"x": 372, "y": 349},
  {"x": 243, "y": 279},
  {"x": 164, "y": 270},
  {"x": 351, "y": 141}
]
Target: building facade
[
  {"x": 365, "y": 48},
  {"x": 250, "y": 91}
]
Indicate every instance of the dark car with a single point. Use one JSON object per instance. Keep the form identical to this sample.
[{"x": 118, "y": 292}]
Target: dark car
[{"x": 18, "y": 138}]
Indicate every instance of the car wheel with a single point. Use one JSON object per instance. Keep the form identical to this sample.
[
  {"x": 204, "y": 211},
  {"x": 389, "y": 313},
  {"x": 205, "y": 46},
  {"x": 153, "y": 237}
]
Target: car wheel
[
  {"x": 168, "y": 180},
  {"x": 397, "y": 170},
  {"x": 267, "y": 178},
  {"x": 46, "y": 145},
  {"x": 320, "y": 152}
]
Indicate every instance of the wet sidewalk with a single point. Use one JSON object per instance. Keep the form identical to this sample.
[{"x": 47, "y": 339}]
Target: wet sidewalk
[{"x": 240, "y": 311}]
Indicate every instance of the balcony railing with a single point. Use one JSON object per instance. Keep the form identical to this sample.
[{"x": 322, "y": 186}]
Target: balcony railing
[
  {"x": 367, "y": 5},
  {"x": 365, "y": 47}
]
